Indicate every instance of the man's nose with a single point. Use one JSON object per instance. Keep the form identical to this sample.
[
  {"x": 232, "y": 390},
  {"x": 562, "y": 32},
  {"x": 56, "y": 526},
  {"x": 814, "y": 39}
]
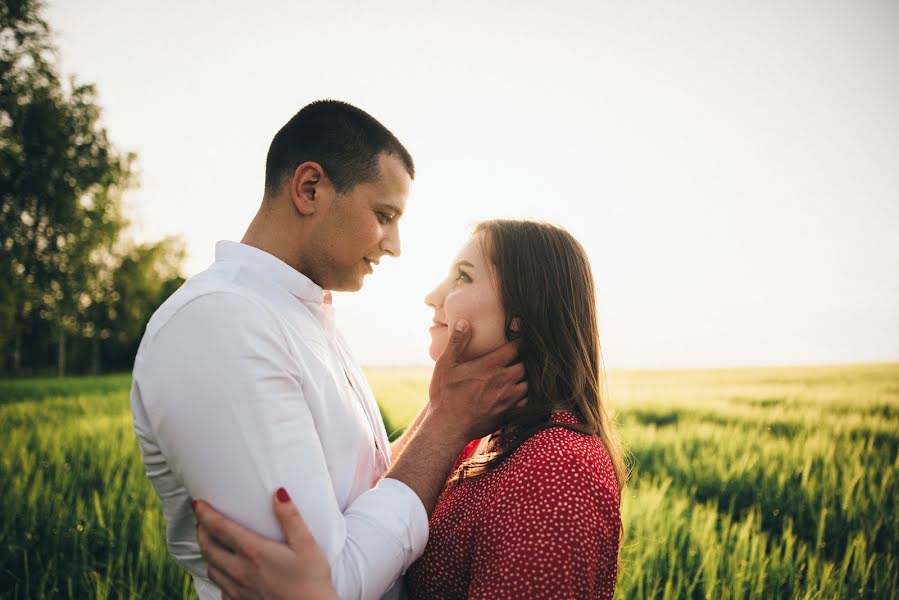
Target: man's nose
[{"x": 391, "y": 244}]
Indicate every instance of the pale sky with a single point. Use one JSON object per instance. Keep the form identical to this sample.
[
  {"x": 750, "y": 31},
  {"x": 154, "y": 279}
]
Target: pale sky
[{"x": 732, "y": 168}]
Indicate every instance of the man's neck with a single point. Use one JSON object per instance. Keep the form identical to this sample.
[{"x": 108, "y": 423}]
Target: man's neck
[{"x": 267, "y": 233}]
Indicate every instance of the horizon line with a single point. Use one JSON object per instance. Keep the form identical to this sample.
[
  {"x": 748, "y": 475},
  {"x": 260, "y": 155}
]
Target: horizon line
[{"x": 878, "y": 363}]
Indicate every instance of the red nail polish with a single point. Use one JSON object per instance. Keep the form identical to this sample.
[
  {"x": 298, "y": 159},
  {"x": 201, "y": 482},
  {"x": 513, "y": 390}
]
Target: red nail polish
[
  {"x": 282, "y": 495},
  {"x": 193, "y": 505}
]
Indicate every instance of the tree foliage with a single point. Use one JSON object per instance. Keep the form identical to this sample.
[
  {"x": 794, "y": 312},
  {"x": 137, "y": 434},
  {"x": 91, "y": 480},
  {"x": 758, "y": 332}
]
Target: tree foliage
[{"x": 61, "y": 218}]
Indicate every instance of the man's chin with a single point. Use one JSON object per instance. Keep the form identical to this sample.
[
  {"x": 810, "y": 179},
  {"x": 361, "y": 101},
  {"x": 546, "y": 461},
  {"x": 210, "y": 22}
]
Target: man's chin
[{"x": 348, "y": 286}]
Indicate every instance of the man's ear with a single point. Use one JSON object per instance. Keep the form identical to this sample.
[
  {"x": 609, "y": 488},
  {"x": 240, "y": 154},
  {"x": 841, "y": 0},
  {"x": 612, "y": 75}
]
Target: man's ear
[{"x": 307, "y": 187}]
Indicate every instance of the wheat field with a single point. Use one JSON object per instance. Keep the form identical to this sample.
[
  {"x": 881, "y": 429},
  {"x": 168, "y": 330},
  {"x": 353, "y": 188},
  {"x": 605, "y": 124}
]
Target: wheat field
[{"x": 746, "y": 483}]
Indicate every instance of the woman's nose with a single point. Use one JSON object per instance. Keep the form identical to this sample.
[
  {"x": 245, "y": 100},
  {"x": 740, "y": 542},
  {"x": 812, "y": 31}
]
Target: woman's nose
[{"x": 434, "y": 298}]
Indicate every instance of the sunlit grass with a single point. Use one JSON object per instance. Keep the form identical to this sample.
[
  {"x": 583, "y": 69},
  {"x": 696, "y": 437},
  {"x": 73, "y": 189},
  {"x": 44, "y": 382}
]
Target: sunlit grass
[
  {"x": 747, "y": 483},
  {"x": 761, "y": 483},
  {"x": 401, "y": 392},
  {"x": 79, "y": 517}
]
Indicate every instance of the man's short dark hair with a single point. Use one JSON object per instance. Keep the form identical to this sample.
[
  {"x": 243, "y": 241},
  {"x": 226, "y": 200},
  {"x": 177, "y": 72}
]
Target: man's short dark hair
[{"x": 343, "y": 139}]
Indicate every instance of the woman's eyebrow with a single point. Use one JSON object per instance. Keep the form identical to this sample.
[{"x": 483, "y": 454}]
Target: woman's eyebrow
[{"x": 463, "y": 263}]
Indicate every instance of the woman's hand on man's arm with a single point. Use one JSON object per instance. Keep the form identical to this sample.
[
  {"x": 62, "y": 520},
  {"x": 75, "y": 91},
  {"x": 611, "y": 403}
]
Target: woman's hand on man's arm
[{"x": 246, "y": 565}]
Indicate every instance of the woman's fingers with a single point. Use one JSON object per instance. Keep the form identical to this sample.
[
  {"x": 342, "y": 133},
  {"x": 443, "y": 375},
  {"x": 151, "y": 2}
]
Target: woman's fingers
[
  {"x": 292, "y": 523},
  {"x": 228, "y": 586},
  {"x": 218, "y": 555},
  {"x": 247, "y": 566}
]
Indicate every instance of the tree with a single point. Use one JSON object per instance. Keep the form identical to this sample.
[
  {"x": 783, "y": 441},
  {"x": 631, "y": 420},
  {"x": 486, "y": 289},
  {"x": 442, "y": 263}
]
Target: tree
[
  {"x": 144, "y": 277},
  {"x": 62, "y": 180}
]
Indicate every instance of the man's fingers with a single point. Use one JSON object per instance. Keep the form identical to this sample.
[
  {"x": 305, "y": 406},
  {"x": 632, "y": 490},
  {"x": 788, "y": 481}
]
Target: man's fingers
[
  {"x": 513, "y": 401},
  {"x": 519, "y": 391},
  {"x": 291, "y": 521},
  {"x": 458, "y": 341},
  {"x": 516, "y": 372},
  {"x": 504, "y": 356},
  {"x": 516, "y": 411}
]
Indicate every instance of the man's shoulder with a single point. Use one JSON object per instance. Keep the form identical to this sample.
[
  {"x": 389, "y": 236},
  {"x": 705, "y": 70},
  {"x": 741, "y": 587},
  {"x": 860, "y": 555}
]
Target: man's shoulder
[
  {"x": 210, "y": 302},
  {"x": 214, "y": 299}
]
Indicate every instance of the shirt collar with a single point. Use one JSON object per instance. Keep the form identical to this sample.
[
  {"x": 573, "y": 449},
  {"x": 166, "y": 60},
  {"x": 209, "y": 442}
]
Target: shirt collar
[{"x": 273, "y": 268}]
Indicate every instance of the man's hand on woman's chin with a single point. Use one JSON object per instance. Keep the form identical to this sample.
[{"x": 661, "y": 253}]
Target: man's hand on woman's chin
[
  {"x": 246, "y": 565},
  {"x": 477, "y": 396}
]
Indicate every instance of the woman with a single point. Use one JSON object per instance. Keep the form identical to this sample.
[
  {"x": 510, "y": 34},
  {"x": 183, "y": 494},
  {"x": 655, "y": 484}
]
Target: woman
[{"x": 532, "y": 510}]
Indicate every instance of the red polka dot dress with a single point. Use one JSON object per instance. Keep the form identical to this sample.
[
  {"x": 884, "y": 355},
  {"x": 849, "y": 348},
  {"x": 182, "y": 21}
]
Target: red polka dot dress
[{"x": 544, "y": 524}]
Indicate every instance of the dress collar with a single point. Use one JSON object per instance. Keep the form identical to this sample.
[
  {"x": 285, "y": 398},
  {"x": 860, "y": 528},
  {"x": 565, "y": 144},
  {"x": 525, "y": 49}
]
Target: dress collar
[
  {"x": 557, "y": 416},
  {"x": 273, "y": 268},
  {"x": 565, "y": 416}
]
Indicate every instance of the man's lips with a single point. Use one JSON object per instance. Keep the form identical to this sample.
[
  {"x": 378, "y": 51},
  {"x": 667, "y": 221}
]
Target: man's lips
[{"x": 371, "y": 263}]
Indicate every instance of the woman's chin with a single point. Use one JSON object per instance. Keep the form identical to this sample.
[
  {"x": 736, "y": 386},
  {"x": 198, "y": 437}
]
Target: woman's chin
[{"x": 472, "y": 351}]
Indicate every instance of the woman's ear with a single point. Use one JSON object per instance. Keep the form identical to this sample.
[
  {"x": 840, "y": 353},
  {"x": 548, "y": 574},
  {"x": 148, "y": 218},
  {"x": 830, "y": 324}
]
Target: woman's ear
[{"x": 514, "y": 327}]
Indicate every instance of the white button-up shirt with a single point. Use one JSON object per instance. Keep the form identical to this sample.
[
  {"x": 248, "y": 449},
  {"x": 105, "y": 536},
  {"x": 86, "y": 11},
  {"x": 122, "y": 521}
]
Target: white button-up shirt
[{"x": 242, "y": 385}]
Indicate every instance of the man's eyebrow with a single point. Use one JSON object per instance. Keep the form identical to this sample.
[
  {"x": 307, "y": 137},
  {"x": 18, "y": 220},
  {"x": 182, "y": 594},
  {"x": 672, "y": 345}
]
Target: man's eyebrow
[{"x": 396, "y": 210}]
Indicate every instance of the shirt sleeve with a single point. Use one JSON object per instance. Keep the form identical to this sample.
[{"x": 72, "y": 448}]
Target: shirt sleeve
[
  {"x": 233, "y": 422},
  {"x": 545, "y": 533}
]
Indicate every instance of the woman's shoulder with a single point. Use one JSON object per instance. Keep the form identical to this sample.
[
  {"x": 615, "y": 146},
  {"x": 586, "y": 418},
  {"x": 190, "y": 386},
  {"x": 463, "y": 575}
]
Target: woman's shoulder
[
  {"x": 561, "y": 442},
  {"x": 557, "y": 476},
  {"x": 582, "y": 458}
]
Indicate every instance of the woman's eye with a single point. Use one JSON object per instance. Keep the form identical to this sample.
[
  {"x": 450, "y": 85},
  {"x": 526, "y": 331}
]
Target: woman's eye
[{"x": 463, "y": 276}]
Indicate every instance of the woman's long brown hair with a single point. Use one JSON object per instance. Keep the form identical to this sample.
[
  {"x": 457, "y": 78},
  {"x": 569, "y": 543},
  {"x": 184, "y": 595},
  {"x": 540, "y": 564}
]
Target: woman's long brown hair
[{"x": 547, "y": 289}]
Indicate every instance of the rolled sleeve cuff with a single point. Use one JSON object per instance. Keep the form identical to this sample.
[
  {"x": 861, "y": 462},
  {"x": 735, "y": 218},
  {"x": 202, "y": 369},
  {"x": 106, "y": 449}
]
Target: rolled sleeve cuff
[{"x": 401, "y": 513}]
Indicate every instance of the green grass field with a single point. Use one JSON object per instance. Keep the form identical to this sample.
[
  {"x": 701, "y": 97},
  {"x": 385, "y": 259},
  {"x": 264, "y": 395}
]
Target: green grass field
[{"x": 750, "y": 483}]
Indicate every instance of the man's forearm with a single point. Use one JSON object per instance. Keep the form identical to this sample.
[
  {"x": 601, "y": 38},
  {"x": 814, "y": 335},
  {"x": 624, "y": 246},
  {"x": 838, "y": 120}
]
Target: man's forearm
[
  {"x": 396, "y": 448},
  {"x": 466, "y": 400},
  {"x": 426, "y": 462}
]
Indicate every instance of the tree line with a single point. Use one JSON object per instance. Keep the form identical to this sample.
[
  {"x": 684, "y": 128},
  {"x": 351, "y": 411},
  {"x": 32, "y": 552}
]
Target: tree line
[{"x": 75, "y": 290}]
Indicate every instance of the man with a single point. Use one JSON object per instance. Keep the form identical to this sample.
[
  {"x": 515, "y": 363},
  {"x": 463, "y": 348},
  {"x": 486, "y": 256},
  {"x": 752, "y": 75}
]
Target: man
[{"x": 242, "y": 384}]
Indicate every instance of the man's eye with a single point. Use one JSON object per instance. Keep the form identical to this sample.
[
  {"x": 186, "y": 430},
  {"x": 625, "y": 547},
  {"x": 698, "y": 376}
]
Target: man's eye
[{"x": 384, "y": 218}]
